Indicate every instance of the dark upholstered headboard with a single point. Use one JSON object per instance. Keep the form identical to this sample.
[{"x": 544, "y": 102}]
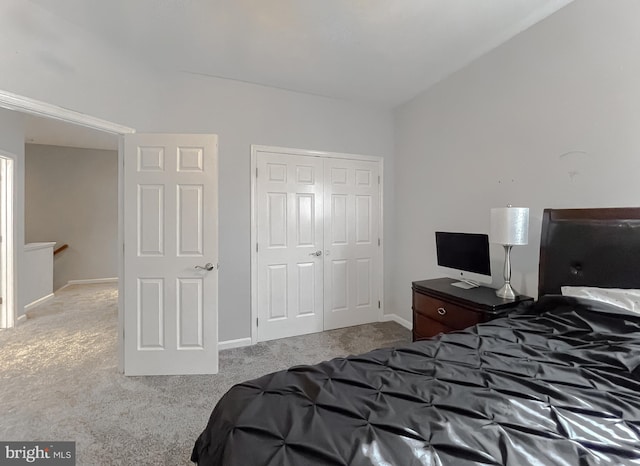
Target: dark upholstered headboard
[{"x": 589, "y": 247}]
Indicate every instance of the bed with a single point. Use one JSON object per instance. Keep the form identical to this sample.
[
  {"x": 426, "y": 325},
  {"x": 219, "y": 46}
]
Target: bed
[{"x": 555, "y": 383}]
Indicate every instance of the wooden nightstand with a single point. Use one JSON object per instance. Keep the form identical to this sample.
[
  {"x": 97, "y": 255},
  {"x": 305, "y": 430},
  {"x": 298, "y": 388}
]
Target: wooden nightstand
[{"x": 440, "y": 307}]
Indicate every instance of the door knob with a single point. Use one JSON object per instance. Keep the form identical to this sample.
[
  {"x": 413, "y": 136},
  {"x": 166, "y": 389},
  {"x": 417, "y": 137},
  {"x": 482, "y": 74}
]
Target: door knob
[
  {"x": 318, "y": 253},
  {"x": 207, "y": 266}
]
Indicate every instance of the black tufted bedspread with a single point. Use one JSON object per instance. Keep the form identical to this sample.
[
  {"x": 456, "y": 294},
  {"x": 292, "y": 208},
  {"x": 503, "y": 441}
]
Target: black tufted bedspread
[{"x": 557, "y": 388}]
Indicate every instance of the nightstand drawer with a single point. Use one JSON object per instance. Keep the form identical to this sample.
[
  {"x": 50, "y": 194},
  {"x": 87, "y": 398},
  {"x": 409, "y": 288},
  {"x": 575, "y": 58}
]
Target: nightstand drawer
[
  {"x": 451, "y": 315},
  {"x": 440, "y": 307},
  {"x": 425, "y": 327}
]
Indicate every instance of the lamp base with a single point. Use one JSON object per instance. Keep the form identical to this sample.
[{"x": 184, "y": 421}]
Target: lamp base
[{"x": 506, "y": 292}]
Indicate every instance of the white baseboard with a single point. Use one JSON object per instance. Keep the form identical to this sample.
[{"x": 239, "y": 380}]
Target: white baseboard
[
  {"x": 238, "y": 343},
  {"x": 36, "y": 303},
  {"x": 397, "y": 319},
  {"x": 93, "y": 280},
  {"x": 21, "y": 319},
  {"x": 89, "y": 281}
]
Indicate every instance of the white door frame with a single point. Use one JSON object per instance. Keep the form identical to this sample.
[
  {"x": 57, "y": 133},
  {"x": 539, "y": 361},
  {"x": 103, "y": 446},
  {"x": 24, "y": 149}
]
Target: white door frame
[
  {"x": 255, "y": 149},
  {"x": 7, "y": 249},
  {"x": 38, "y": 108}
]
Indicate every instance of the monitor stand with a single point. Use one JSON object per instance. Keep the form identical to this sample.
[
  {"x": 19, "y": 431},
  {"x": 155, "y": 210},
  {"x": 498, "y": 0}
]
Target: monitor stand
[{"x": 466, "y": 284}]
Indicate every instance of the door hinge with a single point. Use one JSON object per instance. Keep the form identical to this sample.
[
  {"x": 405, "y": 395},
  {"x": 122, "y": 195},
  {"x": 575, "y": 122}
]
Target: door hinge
[
  {"x": 256, "y": 172},
  {"x": 256, "y": 247},
  {"x": 378, "y": 304},
  {"x": 378, "y": 241},
  {"x": 257, "y": 322},
  {"x": 378, "y": 179}
]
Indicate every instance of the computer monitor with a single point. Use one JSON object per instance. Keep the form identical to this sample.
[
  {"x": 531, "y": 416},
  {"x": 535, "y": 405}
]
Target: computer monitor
[{"x": 464, "y": 256}]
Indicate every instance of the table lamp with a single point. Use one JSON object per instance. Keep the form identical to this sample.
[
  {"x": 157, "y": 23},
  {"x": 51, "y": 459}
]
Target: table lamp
[{"x": 509, "y": 227}]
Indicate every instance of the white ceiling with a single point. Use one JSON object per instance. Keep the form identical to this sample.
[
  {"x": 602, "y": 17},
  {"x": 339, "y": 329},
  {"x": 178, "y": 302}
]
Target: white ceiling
[
  {"x": 57, "y": 133},
  {"x": 383, "y": 52}
]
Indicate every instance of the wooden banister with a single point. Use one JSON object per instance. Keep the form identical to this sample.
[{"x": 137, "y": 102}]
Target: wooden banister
[{"x": 60, "y": 249}]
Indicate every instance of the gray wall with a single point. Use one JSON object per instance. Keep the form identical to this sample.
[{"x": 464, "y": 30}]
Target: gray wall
[
  {"x": 71, "y": 196},
  {"x": 549, "y": 119},
  {"x": 47, "y": 58}
]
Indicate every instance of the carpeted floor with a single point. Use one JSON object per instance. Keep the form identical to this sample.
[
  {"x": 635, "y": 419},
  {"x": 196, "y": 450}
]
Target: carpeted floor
[{"x": 59, "y": 381}]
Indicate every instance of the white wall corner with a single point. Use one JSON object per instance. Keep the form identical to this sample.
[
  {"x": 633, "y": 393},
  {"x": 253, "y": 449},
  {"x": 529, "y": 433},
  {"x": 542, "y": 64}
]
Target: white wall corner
[
  {"x": 237, "y": 343},
  {"x": 398, "y": 320},
  {"x": 37, "y": 303}
]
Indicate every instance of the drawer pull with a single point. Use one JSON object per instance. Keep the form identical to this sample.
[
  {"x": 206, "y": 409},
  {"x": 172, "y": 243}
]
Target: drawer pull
[{"x": 442, "y": 311}]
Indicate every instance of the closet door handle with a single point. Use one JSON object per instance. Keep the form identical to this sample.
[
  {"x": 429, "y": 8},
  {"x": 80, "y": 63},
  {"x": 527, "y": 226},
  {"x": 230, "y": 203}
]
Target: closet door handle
[
  {"x": 208, "y": 266},
  {"x": 318, "y": 253},
  {"x": 442, "y": 311}
]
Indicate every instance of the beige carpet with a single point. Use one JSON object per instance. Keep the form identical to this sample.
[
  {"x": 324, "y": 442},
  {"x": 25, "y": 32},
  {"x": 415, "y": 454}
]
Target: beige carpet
[{"x": 59, "y": 381}]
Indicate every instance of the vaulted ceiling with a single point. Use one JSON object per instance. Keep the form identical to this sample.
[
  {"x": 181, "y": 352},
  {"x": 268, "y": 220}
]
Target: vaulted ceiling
[
  {"x": 376, "y": 51},
  {"x": 382, "y": 52}
]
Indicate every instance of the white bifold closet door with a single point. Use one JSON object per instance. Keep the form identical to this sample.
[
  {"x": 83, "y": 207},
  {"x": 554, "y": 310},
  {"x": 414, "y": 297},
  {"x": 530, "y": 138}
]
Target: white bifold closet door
[
  {"x": 318, "y": 243},
  {"x": 290, "y": 246},
  {"x": 352, "y": 207}
]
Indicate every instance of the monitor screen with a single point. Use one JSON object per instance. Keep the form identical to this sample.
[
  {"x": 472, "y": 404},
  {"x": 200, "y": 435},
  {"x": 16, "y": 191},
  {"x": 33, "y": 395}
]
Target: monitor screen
[{"x": 464, "y": 252}]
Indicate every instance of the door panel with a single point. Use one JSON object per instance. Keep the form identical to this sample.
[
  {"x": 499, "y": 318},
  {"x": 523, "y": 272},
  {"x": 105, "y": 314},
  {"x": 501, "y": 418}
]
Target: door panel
[
  {"x": 351, "y": 194},
  {"x": 170, "y": 228},
  {"x": 190, "y": 215},
  {"x": 150, "y": 220},
  {"x": 150, "y": 310},
  {"x": 289, "y": 230},
  {"x": 363, "y": 289},
  {"x": 190, "y": 312}
]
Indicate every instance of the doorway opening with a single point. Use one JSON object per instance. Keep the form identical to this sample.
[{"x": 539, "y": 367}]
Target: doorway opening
[{"x": 58, "y": 115}]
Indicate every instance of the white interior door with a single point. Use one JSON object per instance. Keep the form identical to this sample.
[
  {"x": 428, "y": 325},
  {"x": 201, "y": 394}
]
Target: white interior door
[
  {"x": 318, "y": 249},
  {"x": 352, "y": 245},
  {"x": 289, "y": 242},
  {"x": 170, "y": 229}
]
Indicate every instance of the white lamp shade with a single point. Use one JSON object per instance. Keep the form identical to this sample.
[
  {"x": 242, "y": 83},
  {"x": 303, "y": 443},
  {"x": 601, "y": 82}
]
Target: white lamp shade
[{"x": 510, "y": 225}]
